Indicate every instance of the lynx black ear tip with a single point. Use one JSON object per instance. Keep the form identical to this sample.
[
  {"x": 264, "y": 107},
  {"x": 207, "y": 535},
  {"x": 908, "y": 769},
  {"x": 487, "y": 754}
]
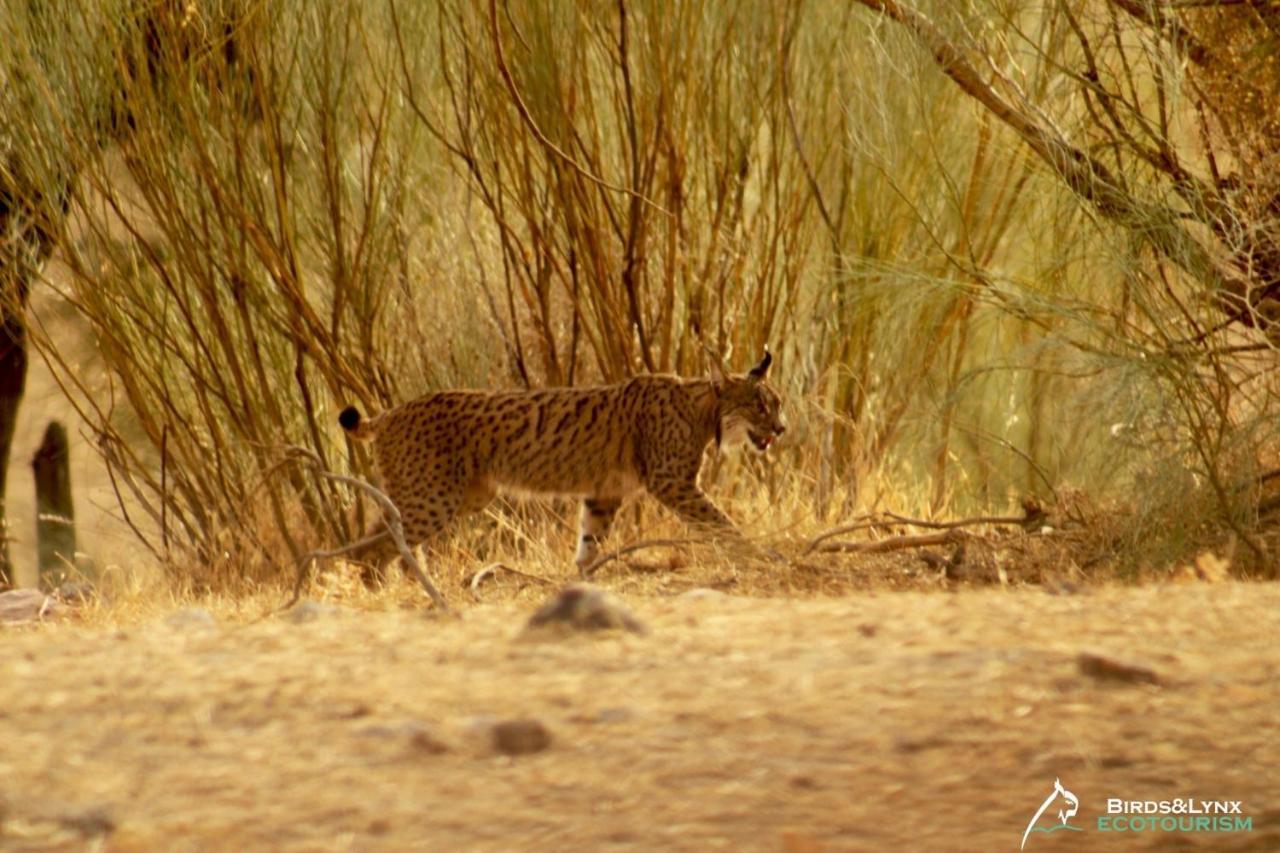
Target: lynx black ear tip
[{"x": 762, "y": 368}]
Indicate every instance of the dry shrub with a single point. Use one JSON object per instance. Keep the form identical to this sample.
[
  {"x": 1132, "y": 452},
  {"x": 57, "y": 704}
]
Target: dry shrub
[{"x": 282, "y": 208}]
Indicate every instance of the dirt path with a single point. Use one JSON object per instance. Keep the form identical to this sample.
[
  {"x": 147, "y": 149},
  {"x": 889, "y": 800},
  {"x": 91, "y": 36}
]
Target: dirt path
[{"x": 923, "y": 721}]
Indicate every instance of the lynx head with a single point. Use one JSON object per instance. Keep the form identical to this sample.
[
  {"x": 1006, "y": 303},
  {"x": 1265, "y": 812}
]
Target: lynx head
[{"x": 750, "y": 408}]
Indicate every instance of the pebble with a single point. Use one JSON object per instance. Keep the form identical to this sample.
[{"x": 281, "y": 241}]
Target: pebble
[
  {"x": 191, "y": 617},
  {"x": 1109, "y": 669},
  {"x": 585, "y": 608},
  {"x": 703, "y": 594},
  {"x": 520, "y": 737},
  {"x": 310, "y": 611},
  {"x": 75, "y": 592},
  {"x": 418, "y": 735}
]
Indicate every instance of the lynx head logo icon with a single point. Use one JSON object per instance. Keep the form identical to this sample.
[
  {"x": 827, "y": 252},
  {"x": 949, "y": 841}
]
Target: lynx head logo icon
[{"x": 1069, "y": 800}]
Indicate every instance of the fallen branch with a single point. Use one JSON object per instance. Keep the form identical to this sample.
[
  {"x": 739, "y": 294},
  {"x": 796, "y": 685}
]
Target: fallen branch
[
  {"x": 899, "y": 543},
  {"x": 960, "y": 522},
  {"x": 492, "y": 569},
  {"x": 594, "y": 566},
  {"x": 859, "y": 523},
  {"x": 390, "y": 517},
  {"x": 871, "y": 521}
]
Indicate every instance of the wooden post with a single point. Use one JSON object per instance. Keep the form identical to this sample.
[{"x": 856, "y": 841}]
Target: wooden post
[
  {"x": 13, "y": 381},
  {"x": 55, "y": 516}
]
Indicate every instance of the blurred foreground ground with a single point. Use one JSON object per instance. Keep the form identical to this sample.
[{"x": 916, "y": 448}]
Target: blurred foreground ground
[{"x": 926, "y": 721}]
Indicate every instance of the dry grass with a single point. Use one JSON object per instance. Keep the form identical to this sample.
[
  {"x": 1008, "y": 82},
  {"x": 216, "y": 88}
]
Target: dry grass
[
  {"x": 276, "y": 210},
  {"x": 918, "y": 720}
]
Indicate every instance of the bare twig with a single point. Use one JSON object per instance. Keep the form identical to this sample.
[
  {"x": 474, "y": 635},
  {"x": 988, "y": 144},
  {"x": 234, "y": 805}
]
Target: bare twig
[
  {"x": 887, "y": 518},
  {"x": 390, "y": 517},
  {"x": 862, "y": 522},
  {"x": 899, "y": 543},
  {"x": 527, "y": 117},
  {"x": 492, "y": 569},
  {"x": 591, "y": 568},
  {"x": 959, "y": 522}
]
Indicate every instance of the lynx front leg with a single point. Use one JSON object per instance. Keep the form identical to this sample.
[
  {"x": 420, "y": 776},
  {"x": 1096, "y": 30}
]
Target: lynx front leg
[
  {"x": 597, "y": 515},
  {"x": 686, "y": 500}
]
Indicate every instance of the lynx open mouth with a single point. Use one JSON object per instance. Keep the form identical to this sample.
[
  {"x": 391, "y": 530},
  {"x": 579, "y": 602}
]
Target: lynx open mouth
[{"x": 761, "y": 442}]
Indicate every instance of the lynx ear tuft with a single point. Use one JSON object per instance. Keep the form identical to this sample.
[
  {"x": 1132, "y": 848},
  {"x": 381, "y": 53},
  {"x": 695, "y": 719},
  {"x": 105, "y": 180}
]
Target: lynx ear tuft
[{"x": 762, "y": 369}]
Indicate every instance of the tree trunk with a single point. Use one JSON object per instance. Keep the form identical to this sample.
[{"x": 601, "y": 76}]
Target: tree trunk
[
  {"x": 13, "y": 381},
  {"x": 55, "y": 515},
  {"x": 29, "y": 224}
]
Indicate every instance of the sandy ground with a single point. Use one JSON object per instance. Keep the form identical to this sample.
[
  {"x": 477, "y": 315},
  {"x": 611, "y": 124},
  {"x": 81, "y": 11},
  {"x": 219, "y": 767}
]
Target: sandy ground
[{"x": 925, "y": 721}]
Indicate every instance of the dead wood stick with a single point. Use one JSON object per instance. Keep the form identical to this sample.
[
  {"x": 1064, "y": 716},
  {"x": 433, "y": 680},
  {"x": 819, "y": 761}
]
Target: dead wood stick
[
  {"x": 860, "y": 522},
  {"x": 492, "y": 569},
  {"x": 898, "y": 543},
  {"x": 594, "y": 566},
  {"x": 390, "y": 517},
  {"x": 889, "y": 518},
  {"x": 959, "y": 522}
]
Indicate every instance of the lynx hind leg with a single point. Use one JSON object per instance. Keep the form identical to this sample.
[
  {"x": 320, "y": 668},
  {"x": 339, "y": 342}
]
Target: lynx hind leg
[
  {"x": 376, "y": 556},
  {"x": 424, "y": 521},
  {"x": 593, "y": 527}
]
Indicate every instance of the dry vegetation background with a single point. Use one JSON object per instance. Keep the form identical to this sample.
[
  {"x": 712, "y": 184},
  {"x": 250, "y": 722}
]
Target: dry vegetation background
[
  {"x": 1000, "y": 249},
  {"x": 1016, "y": 261}
]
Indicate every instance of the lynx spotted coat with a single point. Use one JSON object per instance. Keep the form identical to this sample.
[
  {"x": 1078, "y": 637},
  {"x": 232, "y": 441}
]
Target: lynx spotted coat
[{"x": 448, "y": 453}]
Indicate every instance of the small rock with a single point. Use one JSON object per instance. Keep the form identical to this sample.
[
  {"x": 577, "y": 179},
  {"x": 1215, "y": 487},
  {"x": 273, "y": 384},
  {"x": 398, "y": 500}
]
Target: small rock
[
  {"x": 800, "y": 842},
  {"x": 73, "y": 592},
  {"x": 614, "y": 715},
  {"x": 426, "y": 742},
  {"x": 520, "y": 737},
  {"x": 918, "y": 744},
  {"x": 350, "y": 710},
  {"x": 585, "y": 608},
  {"x": 419, "y": 736},
  {"x": 1109, "y": 669},
  {"x": 191, "y": 617},
  {"x": 1116, "y": 761},
  {"x": 90, "y": 822},
  {"x": 603, "y": 717},
  {"x": 27, "y": 605},
  {"x": 934, "y": 560},
  {"x": 310, "y": 611},
  {"x": 480, "y": 724},
  {"x": 703, "y": 593},
  {"x": 1053, "y": 586}
]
